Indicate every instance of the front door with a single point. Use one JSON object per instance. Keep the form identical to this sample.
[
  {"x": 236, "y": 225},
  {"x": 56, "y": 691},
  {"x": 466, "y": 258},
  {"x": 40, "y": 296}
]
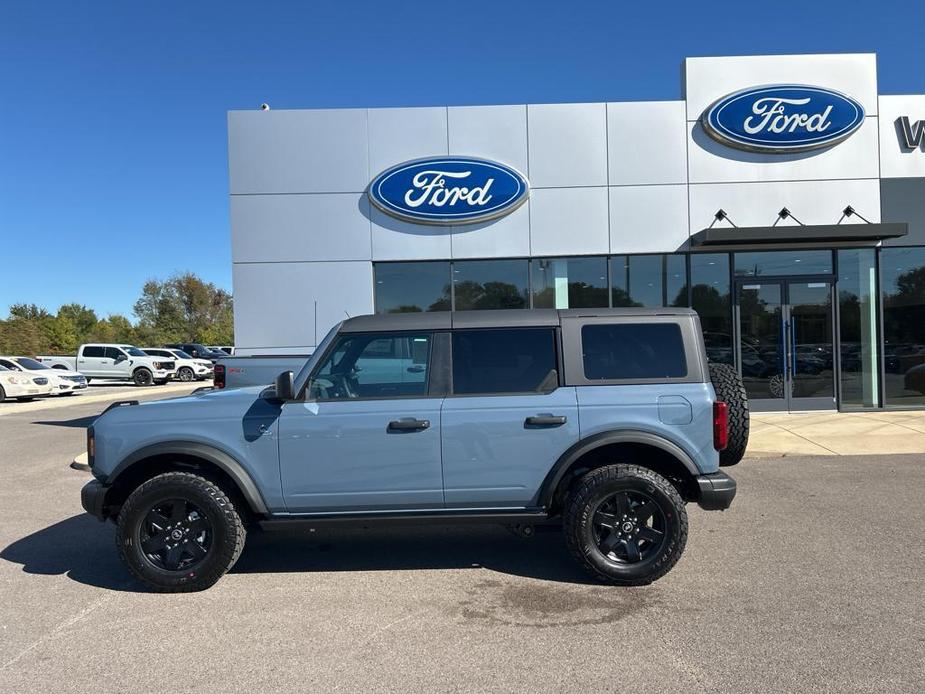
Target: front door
[
  {"x": 786, "y": 346},
  {"x": 367, "y": 438}
]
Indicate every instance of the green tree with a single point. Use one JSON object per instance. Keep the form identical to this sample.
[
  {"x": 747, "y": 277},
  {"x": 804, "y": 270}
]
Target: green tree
[{"x": 184, "y": 308}]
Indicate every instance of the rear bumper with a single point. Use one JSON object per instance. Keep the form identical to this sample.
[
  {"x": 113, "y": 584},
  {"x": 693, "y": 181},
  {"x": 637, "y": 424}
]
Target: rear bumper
[
  {"x": 93, "y": 498},
  {"x": 717, "y": 490}
]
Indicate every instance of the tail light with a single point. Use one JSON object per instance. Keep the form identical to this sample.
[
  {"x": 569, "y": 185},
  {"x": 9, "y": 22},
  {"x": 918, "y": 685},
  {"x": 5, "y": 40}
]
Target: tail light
[
  {"x": 720, "y": 425},
  {"x": 218, "y": 376},
  {"x": 91, "y": 446}
]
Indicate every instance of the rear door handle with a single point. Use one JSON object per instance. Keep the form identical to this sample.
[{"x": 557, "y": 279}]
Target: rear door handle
[
  {"x": 545, "y": 420},
  {"x": 409, "y": 424}
]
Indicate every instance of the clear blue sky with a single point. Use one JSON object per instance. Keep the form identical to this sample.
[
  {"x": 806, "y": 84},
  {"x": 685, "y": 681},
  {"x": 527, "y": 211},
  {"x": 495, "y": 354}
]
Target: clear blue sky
[{"x": 113, "y": 115}]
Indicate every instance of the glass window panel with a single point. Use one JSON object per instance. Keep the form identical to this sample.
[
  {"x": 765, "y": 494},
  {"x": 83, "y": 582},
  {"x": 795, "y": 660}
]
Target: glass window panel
[
  {"x": 490, "y": 284},
  {"x": 903, "y": 285},
  {"x": 569, "y": 282},
  {"x": 710, "y": 297},
  {"x": 783, "y": 263},
  {"x": 675, "y": 280},
  {"x": 504, "y": 361},
  {"x": 374, "y": 366},
  {"x": 633, "y": 350},
  {"x": 652, "y": 281},
  {"x": 412, "y": 287},
  {"x": 857, "y": 305}
]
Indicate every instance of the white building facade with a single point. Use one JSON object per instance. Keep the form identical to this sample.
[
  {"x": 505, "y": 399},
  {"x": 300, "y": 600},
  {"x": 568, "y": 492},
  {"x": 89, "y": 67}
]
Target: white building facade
[{"x": 806, "y": 262}]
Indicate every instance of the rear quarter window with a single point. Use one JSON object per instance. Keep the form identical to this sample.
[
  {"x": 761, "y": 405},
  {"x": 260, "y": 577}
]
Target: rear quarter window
[{"x": 625, "y": 351}]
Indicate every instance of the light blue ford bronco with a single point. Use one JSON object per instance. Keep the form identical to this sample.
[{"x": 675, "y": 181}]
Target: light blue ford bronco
[{"x": 605, "y": 421}]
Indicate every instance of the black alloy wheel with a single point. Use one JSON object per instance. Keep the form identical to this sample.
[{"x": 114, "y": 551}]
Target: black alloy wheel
[
  {"x": 143, "y": 377},
  {"x": 629, "y": 527},
  {"x": 175, "y": 535}
]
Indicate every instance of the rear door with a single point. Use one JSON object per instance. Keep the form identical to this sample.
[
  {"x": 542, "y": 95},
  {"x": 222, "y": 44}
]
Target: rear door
[
  {"x": 507, "y": 419},
  {"x": 92, "y": 361}
]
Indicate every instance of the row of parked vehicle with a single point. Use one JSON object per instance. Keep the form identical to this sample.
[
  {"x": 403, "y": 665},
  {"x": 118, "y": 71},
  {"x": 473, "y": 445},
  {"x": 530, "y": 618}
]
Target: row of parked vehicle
[{"x": 24, "y": 378}]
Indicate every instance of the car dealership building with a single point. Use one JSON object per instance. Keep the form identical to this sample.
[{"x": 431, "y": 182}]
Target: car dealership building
[{"x": 782, "y": 197}]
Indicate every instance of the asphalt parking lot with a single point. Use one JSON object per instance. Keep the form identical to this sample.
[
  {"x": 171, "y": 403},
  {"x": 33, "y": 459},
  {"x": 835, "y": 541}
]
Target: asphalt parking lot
[{"x": 812, "y": 582}]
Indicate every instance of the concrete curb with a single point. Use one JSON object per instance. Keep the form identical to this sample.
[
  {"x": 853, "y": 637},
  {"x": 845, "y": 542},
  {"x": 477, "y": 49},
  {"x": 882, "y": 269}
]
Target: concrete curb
[{"x": 83, "y": 399}]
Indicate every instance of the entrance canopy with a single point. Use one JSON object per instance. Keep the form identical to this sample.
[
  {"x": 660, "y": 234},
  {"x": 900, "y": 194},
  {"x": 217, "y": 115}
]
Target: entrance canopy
[{"x": 805, "y": 234}]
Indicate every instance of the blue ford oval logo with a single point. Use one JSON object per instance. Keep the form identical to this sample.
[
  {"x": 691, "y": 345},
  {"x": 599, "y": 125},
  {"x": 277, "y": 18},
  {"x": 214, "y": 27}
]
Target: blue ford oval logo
[
  {"x": 783, "y": 118},
  {"x": 448, "y": 190}
]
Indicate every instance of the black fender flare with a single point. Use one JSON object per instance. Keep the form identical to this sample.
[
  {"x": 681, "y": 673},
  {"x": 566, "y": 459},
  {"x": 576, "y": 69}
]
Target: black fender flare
[
  {"x": 216, "y": 456},
  {"x": 605, "y": 438}
]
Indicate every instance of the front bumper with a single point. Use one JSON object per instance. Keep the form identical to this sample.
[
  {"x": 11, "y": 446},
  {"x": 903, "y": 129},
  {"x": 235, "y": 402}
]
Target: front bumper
[
  {"x": 717, "y": 490},
  {"x": 93, "y": 498}
]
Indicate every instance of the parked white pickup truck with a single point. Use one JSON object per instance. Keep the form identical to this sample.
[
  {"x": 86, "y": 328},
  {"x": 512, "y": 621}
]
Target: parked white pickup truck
[{"x": 120, "y": 362}]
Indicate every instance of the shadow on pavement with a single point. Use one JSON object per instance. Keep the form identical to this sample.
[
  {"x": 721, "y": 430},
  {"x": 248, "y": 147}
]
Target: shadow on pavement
[
  {"x": 78, "y": 423},
  {"x": 84, "y": 550}
]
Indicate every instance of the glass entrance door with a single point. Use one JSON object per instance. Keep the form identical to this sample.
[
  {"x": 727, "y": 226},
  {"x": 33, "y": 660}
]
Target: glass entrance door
[{"x": 786, "y": 346}]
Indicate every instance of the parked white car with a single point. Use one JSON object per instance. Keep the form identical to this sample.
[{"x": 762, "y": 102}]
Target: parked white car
[
  {"x": 22, "y": 386},
  {"x": 188, "y": 369},
  {"x": 65, "y": 381}
]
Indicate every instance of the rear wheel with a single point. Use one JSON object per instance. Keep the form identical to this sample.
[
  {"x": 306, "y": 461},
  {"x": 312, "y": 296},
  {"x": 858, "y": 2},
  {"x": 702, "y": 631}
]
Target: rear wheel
[
  {"x": 2, "y": 394},
  {"x": 179, "y": 532},
  {"x": 142, "y": 377},
  {"x": 625, "y": 524},
  {"x": 729, "y": 388}
]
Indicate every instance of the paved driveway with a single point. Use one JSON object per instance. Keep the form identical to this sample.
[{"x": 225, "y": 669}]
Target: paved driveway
[{"x": 812, "y": 582}]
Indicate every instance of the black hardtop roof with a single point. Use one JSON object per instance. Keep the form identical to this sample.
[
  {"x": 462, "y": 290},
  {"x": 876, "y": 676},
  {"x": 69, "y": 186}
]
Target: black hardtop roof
[{"x": 504, "y": 318}]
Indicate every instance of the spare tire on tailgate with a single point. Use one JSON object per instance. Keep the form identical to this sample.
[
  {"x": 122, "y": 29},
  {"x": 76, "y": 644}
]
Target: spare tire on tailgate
[{"x": 729, "y": 388}]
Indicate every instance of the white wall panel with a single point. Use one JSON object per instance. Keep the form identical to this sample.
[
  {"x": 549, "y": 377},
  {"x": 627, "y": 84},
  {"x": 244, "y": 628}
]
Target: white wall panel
[
  {"x": 708, "y": 79},
  {"x": 394, "y": 239},
  {"x": 897, "y": 160},
  {"x": 321, "y": 151},
  {"x": 491, "y": 132},
  {"x": 274, "y": 303},
  {"x": 569, "y": 221},
  {"x": 648, "y": 219},
  {"x": 647, "y": 142},
  {"x": 757, "y": 204},
  {"x": 399, "y": 134},
  {"x": 501, "y": 238},
  {"x": 331, "y": 226},
  {"x": 712, "y": 162},
  {"x": 568, "y": 144}
]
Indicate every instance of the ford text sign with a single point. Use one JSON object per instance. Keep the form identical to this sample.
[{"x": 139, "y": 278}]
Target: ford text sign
[
  {"x": 782, "y": 118},
  {"x": 448, "y": 190}
]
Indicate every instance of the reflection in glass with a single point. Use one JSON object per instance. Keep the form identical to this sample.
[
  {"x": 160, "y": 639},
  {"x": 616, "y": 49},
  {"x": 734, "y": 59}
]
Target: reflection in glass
[
  {"x": 652, "y": 281},
  {"x": 812, "y": 353},
  {"x": 903, "y": 285},
  {"x": 412, "y": 287},
  {"x": 769, "y": 263},
  {"x": 761, "y": 310},
  {"x": 569, "y": 282},
  {"x": 711, "y": 299},
  {"x": 490, "y": 284},
  {"x": 857, "y": 306}
]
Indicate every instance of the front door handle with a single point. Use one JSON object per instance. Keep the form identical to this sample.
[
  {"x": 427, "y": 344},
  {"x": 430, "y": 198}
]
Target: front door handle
[
  {"x": 545, "y": 420},
  {"x": 409, "y": 424}
]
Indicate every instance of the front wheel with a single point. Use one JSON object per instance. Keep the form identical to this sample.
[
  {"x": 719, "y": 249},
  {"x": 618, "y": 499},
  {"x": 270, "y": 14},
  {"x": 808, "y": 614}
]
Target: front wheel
[
  {"x": 186, "y": 374},
  {"x": 179, "y": 532},
  {"x": 625, "y": 524},
  {"x": 142, "y": 377}
]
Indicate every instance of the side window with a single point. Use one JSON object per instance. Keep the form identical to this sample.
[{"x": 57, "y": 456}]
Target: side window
[
  {"x": 504, "y": 361},
  {"x": 633, "y": 350},
  {"x": 113, "y": 353},
  {"x": 9, "y": 365},
  {"x": 93, "y": 351},
  {"x": 374, "y": 366}
]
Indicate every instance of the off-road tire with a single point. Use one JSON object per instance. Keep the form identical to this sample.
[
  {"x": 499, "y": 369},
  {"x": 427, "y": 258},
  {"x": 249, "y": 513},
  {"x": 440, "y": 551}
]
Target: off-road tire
[
  {"x": 142, "y": 377},
  {"x": 729, "y": 388},
  {"x": 227, "y": 527},
  {"x": 186, "y": 374},
  {"x": 597, "y": 486}
]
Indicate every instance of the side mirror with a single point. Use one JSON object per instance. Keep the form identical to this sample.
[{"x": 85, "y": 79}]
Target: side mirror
[
  {"x": 121, "y": 357},
  {"x": 285, "y": 390}
]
